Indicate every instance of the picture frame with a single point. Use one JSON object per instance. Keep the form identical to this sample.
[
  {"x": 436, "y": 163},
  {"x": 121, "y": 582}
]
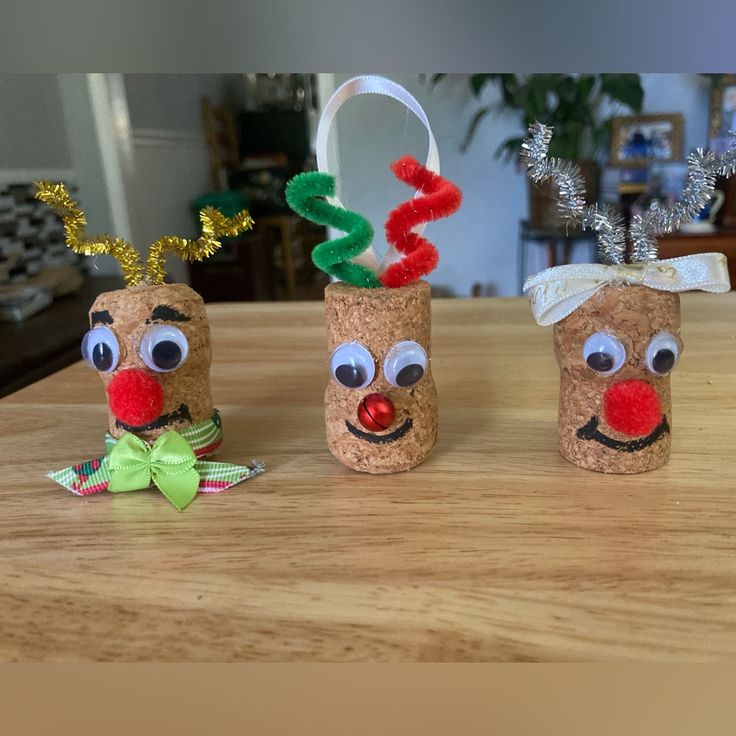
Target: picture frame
[
  {"x": 640, "y": 140},
  {"x": 722, "y": 116}
]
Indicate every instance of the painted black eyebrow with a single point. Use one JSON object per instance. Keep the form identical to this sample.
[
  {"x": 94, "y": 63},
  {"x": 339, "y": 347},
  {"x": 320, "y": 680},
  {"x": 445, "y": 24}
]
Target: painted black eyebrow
[
  {"x": 103, "y": 316},
  {"x": 165, "y": 313}
]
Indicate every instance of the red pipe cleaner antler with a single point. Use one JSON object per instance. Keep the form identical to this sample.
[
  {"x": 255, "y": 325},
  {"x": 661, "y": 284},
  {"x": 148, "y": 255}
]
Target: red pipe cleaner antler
[{"x": 441, "y": 198}]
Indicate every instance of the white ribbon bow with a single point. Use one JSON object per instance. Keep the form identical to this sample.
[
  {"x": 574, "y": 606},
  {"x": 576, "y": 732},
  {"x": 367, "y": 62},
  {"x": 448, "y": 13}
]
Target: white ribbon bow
[{"x": 557, "y": 292}]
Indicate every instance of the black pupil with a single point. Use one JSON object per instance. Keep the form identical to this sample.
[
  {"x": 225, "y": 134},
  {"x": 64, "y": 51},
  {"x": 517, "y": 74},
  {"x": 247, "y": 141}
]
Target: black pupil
[
  {"x": 102, "y": 356},
  {"x": 350, "y": 375},
  {"x": 409, "y": 374},
  {"x": 663, "y": 360},
  {"x": 166, "y": 354},
  {"x": 601, "y": 362}
]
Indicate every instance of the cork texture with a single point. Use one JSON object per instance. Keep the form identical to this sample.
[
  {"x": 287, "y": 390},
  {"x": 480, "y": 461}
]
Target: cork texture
[
  {"x": 379, "y": 318},
  {"x": 633, "y": 314},
  {"x": 131, "y": 310}
]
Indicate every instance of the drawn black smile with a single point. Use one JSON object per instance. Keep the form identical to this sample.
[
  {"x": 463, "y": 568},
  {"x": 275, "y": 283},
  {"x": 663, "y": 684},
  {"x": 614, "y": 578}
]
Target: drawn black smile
[
  {"x": 180, "y": 415},
  {"x": 590, "y": 432},
  {"x": 380, "y": 439}
]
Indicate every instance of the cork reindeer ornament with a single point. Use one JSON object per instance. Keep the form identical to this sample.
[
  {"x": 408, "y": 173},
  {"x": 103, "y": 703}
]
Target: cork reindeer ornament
[
  {"x": 617, "y": 324},
  {"x": 150, "y": 344},
  {"x": 381, "y": 400}
]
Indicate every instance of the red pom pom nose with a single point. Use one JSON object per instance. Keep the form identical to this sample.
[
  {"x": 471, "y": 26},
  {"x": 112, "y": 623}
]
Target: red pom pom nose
[
  {"x": 135, "y": 397},
  {"x": 632, "y": 407},
  {"x": 376, "y": 412}
]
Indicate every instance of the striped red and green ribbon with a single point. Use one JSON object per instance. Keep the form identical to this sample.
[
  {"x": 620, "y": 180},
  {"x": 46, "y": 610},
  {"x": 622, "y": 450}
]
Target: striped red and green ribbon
[{"x": 93, "y": 476}]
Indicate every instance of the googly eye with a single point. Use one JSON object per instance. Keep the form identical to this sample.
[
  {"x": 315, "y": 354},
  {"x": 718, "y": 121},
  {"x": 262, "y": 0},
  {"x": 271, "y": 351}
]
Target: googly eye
[
  {"x": 405, "y": 364},
  {"x": 663, "y": 352},
  {"x": 164, "y": 348},
  {"x": 352, "y": 365},
  {"x": 101, "y": 350},
  {"x": 604, "y": 353}
]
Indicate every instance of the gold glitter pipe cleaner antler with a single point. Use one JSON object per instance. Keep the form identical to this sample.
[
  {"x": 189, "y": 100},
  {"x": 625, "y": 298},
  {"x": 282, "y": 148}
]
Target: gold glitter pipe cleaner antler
[
  {"x": 75, "y": 227},
  {"x": 214, "y": 226}
]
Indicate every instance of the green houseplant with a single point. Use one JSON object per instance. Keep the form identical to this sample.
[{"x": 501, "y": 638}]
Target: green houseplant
[{"x": 580, "y": 107}]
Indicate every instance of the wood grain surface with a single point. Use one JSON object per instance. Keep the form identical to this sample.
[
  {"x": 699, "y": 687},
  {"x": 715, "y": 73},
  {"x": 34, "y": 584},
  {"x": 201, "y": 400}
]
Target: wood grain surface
[{"x": 495, "y": 548}]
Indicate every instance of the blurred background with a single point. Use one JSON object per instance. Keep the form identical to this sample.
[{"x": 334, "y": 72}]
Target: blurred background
[{"x": 143, "y": 152}]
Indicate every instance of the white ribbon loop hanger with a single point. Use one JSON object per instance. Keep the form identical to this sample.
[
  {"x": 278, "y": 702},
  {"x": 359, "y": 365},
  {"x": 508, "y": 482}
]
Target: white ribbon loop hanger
[{"x": 364, "y": 85}]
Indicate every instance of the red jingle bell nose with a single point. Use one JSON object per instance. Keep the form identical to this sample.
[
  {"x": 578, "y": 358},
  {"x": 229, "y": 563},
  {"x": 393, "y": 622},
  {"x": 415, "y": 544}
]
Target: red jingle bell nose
[
  {"x": 376, "y": 412},
  {"x": 135, "y": 397},
  {"x": 632, "y": 407}
]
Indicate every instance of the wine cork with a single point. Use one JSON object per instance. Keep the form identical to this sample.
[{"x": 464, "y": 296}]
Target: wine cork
[
  {"x": 130, "y": 313},
  {"x": 379, "y": 319},
  {"x": 632, "y": 314}
]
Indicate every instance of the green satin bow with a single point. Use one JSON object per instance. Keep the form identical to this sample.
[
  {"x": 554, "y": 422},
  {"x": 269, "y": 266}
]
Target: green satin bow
[{"x": 169, "y": 463}]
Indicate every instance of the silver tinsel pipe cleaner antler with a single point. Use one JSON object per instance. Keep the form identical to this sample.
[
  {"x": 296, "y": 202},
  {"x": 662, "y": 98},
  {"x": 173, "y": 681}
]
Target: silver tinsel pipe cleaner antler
[
  {"x": 703, "y": 168},
  {"x": 605, "y": 222}
]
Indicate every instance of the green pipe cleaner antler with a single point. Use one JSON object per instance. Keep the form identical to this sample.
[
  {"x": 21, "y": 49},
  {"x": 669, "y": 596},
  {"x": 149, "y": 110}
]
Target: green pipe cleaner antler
[{"x": 333, "y": 256}]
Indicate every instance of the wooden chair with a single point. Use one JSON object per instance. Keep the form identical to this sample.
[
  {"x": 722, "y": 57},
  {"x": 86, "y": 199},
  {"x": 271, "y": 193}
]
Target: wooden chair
[{"x": 222, "y": 142}]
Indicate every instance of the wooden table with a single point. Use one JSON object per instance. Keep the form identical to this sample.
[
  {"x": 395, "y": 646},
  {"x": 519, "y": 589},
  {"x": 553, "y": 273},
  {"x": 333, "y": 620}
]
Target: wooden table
[{"x": 493, "y": 549}]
